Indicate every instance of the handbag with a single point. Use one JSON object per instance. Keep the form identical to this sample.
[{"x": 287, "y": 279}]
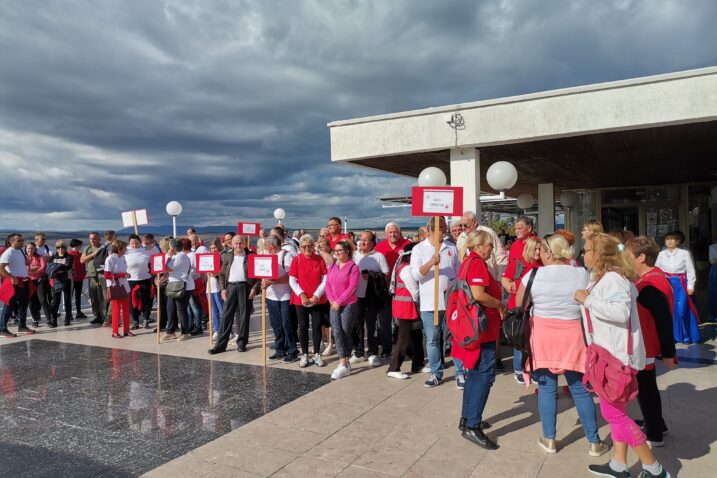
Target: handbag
[
  {"x": 605, "y": 375},
  {"x": 175, "y": 290},
  {"x": 116, "y": 292},
  {"x": 516, "y": 325}
]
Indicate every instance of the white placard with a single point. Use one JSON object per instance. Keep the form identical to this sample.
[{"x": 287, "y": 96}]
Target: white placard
[
  {"x": 262, "y": 266},
  {"x": 206, "y": 263},
  {"x": 158, "y": 262},
  {"x": 248, "y": 228},
  {"x": 127, "y": 219},
  {"x": 438, "y": 202},
  {"x": 142, "y": 218}
]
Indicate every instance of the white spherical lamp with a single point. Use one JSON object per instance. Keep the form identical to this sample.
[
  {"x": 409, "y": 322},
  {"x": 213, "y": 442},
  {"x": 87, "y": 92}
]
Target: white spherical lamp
[
  {"x": 501, "y": 176},
  {"x": 568, "y": 198},
  {"x": 432, "y": 177},
  {"x": 174, "y": 208},
  {"x": 525, "y": 201},
  {"x": 279, "y": 214}
]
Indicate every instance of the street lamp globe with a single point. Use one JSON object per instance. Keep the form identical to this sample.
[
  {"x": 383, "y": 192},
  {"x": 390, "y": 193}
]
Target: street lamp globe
[
  {"x": 525, "y": 201},
  {"x": 501, "y": 176},
  {"x": 174, "y": 208},
  {"x": 432, "y": 177},
  {"x": 279, "y": 214}
]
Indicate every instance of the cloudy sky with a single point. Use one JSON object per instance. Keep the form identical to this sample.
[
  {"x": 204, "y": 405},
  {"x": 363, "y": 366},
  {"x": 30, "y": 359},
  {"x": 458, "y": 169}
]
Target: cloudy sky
[{"x": 222, "y": 105}]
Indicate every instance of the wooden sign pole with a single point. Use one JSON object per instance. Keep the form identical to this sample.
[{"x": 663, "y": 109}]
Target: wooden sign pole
[
  {"x": 211, "y": 318},
  {"x": 134, "y": 222},
  {"x": 159, "y": 308},
  {"x": 436, "y": 268},
  {"x": 263, "y": 325}
]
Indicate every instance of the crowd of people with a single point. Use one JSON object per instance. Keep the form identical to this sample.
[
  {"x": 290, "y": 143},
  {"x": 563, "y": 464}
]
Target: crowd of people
[{"x": 361, "y": 299}]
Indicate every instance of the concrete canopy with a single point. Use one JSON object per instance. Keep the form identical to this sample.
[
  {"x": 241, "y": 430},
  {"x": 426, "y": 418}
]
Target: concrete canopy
[{"x": 646, "y": 131}]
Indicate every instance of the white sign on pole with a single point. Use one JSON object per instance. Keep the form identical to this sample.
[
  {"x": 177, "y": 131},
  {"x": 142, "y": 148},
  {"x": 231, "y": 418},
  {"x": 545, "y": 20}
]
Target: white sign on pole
[
  {"x": 438, "y": 202},
  {"x": 262, "y": 267}
]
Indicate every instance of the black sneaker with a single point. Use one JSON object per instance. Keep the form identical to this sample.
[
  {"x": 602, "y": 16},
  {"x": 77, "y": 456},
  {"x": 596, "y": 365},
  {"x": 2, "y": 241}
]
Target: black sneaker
[
  {"x": 6, "y": 334},
  {"x": 276, "y": 356},
  {"x": 291, "y": 358},
  {"x": 135, "y": 326},
  {"x": 80, "y": 315},
  {"x": 195, "y": 332},
  {"x": 432, "y": 381},
  {"x": 25, "y": 331},
  {"x": 605, "y": 470},
  {"x": 476, "y": 435},
  {"x": 641, "y": 424},
  {"x": 647, "y": 474},
  {"x": 96, "y": 321}
]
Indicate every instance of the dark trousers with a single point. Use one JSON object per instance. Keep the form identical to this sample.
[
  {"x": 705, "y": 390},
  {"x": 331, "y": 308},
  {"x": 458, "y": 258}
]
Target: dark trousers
[
  {"x": 177, "y": 311},
  {"x": 145, "y": 298},
  {"x": 39, "y": 302},
  {"x": 237, "y": 306},
  {"x": 77, "y": 293},
  {"x": 385, "y": 328},
  {"x": 97, "y": 297},
  {"x": 19, "y": 303},
  {"x": 368, "y": 317},
  {"x": 407, "y": 336},
  {"x": 162, "y": 306},
  {"x": 57, "y": 295},
  {"x": 285, "y": 340},
  {"x": 648, "y": 397},
  {"x": 478, "y": 384},
  {"x": 303, "y": 314}
]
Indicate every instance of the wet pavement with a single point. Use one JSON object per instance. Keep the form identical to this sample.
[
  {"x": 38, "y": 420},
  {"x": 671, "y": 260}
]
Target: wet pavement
[{"x": 78, "y": 410}]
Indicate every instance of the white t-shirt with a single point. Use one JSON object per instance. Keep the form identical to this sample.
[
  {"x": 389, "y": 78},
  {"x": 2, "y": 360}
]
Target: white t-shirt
[
  {"x": 117, "y": 265},
  {"x": 554, "y": 290},
  {"x": 181, "y": 265},
  {"x": 448, "y": 269},
  {"x": 15, "y": 260},
  {"x": 213, "y": 284},
  {"x": 281, "y": 292},
  {"x": 373, "y": 261},
  {"x": 236, "y": 272},
  {"x": 44, "y": 250},
  {"x": 137, "y": 263}
]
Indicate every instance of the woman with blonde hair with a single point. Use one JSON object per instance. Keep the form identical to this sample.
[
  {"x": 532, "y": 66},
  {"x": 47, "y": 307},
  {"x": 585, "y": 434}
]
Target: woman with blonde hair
[
  {"x": 556, "y": 341},
  {"x": 609, "y": 308},
  {"x": 589, "y": 228}
]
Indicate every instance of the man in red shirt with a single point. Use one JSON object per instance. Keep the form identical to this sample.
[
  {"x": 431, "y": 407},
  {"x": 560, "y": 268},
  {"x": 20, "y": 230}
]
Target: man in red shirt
[
  {"x": 390, "y": 247},
  {"x": 334, "y": 232}
]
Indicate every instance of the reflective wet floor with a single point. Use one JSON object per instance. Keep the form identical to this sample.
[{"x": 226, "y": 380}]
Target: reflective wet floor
[{"x": 76, "y": 410}]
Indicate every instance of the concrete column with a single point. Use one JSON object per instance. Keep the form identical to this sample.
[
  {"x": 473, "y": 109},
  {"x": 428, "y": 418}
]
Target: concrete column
[
  {"x": 465, "y": 172},
  {"x": 546, "y": 209}
]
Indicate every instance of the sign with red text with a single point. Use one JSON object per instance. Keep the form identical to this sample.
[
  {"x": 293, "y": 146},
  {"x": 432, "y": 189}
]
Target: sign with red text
[
  {"x": 263, "y": 266},
  {"x": 248, "y": 228},
  {"x": 138, "y": 217},
  {"x": 157, "y": 263},
  {"x": 437, "y": 201},
  {"x": 209, "y": 263}
]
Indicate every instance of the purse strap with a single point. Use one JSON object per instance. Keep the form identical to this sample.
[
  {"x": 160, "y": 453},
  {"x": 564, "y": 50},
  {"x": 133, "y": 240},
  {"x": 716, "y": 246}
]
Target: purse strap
[
  {"x": 524, "y": 305},
  {"x": 629, "y": 326}
]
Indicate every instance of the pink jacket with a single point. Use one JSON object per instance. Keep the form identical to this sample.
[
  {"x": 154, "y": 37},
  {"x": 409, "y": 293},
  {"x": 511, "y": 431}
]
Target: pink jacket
[
  {"x": 341, "y": 283},
  {"x": 37, "y": 261}
]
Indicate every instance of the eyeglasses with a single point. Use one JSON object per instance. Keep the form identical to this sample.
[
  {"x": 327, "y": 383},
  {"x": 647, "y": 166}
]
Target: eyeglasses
[
  {"x": 332, "y": 225},
  {"x": 463, "y": 225},
  {"x": 339, "y": 251}
]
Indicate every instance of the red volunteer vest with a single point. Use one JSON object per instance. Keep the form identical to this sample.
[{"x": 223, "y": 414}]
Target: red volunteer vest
[
  {"x": 655, "y": 278},
  {"x": 403, "y": 306}
]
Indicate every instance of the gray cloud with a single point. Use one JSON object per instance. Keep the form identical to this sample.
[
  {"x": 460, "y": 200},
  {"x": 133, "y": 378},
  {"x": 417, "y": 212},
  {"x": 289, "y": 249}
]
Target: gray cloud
[{"x": 223, "y": 105}]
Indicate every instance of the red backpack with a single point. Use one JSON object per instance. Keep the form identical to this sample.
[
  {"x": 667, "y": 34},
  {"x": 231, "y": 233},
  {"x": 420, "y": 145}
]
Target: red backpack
[{"x": 465, "y": 318}]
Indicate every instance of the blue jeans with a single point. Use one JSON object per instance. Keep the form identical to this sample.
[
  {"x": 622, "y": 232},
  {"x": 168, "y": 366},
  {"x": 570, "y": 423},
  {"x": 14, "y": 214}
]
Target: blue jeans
[
  {"x": 478, "y": 384},
  {"x": 517, "y": 361},
  {"x": 548, "y": 402},
  {"x": 280, "y": 321},
  {"x": 194, "y": 311},
  {"x": 217, "y": 309},
  {"x": 433, "y": 343}
]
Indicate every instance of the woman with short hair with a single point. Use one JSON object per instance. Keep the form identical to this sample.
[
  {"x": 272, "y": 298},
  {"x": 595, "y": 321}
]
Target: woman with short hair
[
  {"x": 115, "y": 272},
  {"x": 61, "y": 282},
  {"x": 307, "y": 277},
  {"x": 79, "y": 273},
  {"x": 589, "y": 228},
  {"x": 36, "y": 272},
  {"x": 556, "y": 341},
  {"x": 140, "y": 281},
  {"x": 609, "y": 307},
  {"x": 179, "y": 271}
]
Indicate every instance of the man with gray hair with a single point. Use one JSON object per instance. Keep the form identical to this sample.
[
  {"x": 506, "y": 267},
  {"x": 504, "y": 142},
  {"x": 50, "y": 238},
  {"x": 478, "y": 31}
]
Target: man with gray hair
[{"x": 498, "y": 259}]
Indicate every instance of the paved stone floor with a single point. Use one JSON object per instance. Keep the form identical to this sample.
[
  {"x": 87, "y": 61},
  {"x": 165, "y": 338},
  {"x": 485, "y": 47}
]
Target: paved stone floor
[{"x": 365, "y": 425}]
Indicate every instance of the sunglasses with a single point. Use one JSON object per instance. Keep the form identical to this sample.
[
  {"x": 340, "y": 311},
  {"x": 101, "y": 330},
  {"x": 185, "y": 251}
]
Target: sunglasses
[{"x": 339, "y": 251}]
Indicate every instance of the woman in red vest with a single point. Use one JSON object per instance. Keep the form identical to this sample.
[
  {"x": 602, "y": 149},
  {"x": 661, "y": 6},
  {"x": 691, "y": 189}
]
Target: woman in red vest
[
  {"x": 654, "y": 306},
  {"x": 403, "y": 308}
]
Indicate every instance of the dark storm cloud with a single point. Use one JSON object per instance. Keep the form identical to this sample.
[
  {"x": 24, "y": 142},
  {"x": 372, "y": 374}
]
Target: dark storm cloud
[{"x": 223, "y": 106}]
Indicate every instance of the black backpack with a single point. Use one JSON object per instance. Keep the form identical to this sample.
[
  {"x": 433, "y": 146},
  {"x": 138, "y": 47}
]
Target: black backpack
[{"x": 99, "y": 260}]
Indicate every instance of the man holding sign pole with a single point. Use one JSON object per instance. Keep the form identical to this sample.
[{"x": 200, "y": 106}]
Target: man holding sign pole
[
  {"x": 238, "y": 291},
  {"x": 423, "y": 261}
]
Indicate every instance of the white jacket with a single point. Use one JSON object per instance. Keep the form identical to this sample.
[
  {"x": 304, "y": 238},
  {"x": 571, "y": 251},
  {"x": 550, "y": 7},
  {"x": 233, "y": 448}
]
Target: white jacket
[{"x": 612, "y": 304}]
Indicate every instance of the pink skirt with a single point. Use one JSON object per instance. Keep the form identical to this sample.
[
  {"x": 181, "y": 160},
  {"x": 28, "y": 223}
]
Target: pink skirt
[{"x": 557, "y": 345}]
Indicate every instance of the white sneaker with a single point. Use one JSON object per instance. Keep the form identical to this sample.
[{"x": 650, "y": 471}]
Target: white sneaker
[
  {"x": 374, "y": 361},
  {"x": 426, "y": 370},
  {"x": 215, "y": 336},
  {"x": 328, "y": 350},
  {"x": 233, "y": 338},
  {"x": 304, "y": 362},
  {"x": 318, "y": 361},
  {"x": 397, "y": 375},
  {"x": 340, "y": 372},
  {"x": 355, "y": 359}
]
